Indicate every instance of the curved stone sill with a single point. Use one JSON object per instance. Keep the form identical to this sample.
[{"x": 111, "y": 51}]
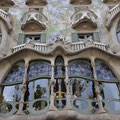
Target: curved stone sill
[{"x": 64, "y": 115}]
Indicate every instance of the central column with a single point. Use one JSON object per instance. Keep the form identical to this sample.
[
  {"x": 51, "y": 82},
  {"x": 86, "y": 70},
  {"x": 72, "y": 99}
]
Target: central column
[
  {"x": 97, "y": 89},
  {"x": 52, "y": 84},
  {"x": 67, "y": 82}
]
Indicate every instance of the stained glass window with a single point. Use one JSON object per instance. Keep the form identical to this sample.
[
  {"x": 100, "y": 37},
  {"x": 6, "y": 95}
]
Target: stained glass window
[
  {"x": 16, "y": 74},
  {"x": 59, "y": 66},
  {"x": 104, "y": 72},
  {"x": 38, "y": 69},
  {"x": 80, "y": 68}
]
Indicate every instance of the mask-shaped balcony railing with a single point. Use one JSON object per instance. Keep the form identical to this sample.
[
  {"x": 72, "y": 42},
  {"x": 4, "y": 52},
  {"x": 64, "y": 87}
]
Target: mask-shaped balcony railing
[
  {"x": 34, "y": 16},
  {"x": 6, "y": 3},
  {"x": 36, "y": 2},
  {"x": 84, "y": 15},
  {"x": 110, "y": 1},
  {"x": 6, "y": 17},
  {"x": 80, "y": 2},
  {"x": 111, "y": 15}
]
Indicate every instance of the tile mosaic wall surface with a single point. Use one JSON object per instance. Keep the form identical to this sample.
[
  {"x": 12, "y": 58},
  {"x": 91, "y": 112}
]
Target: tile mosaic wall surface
[{"x": 58, "y": 13}]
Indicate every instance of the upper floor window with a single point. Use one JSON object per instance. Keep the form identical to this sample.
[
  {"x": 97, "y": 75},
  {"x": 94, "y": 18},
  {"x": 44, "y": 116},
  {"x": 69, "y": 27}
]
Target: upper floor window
[
  {"x": 118, "y": 32},
  {"x": 36, "y": 38},
  {"x": 59, "y": 67},
  {"x": 77, "y": 37},
  {"x": 83, "y": 37},
  {"x": 33, "y": 38}
]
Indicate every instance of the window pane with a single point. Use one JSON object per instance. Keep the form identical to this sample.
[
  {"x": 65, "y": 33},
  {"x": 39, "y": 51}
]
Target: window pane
[
  {"x": 80, "y": 69},
  {"x": 38, "y": 69},
  {"x": 16, "y": 74},
  {"x": 114, "y": 105},
  {"x": 118, "y": 36},
  {"x": 41, "y": 89},
  {"x": 79, "y": 88},
  {"x": 9, "y": 93},
  {"x": 18, "y": 94},
  {"x": 91, "y": 90},
  {"x": 104, "y": 72},
  {"x": 111, "y": 90}
]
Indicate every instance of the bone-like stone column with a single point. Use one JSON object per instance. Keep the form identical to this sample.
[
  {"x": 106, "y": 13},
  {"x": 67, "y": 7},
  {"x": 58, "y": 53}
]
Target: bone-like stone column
[
  {"x": 23, "y": 89},
  {"x": 52, "y": 84},
  {"x": 67, "y": 82},
  {"x": 97, "y": 89}
]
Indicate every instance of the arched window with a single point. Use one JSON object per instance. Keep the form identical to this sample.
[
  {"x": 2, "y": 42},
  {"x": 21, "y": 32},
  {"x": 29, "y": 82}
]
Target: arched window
[
  {"x": 109, "y": 86},
  {"x": 60, "y": 88},
  {"x": 11, "y": 90},
  {"x": 82, "y": 85},
  {"x": 38, "y": 86},
  {"x": 118, "y": 32}
]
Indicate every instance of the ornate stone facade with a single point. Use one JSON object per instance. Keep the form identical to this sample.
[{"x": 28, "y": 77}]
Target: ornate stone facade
[{"x": 67, "y": 79}]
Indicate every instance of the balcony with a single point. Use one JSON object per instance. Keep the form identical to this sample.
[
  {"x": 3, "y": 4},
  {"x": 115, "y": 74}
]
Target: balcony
[
  {"x": 6, "y": 18},
  {"x": 71, "y": 47},
  {"x": 80, "y": 2},
  {"x": 111, "y": 14},
  {"x": 111, "y": 1},
  {"x": 84, "y": 19},
  {"x": 33, "y": 21},
  {"x": 36, "y": 2},
  {"x": 6, "y": 3}
]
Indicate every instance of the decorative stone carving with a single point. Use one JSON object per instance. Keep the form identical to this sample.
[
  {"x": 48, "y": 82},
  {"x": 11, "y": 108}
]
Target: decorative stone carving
[
  {"x": 6, "y": 3},
  {"x": 59, "y": 42},
  {"x": 84, "y": 19},
  {"x": 6, "y": 18},
  {"x": 111, "y": 14},
  {"x": 36, "y": 2},
  {"x": 80, "y": 2},
  {"x": 33, "y": 21}
]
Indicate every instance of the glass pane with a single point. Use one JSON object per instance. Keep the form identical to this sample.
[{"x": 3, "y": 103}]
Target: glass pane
[
  {"x": 60, "y": 88},
  {"x": 40, "y": 105},
  {"x": 9, "y": 93},
  {"x": 118, "y": 36},
  {"x": 59, "y": 70},
  {"x": 80, "y": 104},
  {"x": 41, "y": 89},
  {"x": 18, "y": 94},
  {"x": 111, "y": 90},
  {"x": 79, "y": 88},
  {"x": 114, "y": 105},
  {"x": 104, "y": 72},
  {"x": 91, "y": 90},
  {"x": 60, "y": 104},
  {"x": 80, "y": 69},
  {"x": 39, "y": 69},
  {"x": 28, "y": 94},
  {"x": 16, "y": 74},
  {"x": 5, "y": 108}
]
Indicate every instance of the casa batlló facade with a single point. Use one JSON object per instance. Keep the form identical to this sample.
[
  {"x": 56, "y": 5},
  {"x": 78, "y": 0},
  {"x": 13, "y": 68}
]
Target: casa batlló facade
[{"x": 77, "y": 79}]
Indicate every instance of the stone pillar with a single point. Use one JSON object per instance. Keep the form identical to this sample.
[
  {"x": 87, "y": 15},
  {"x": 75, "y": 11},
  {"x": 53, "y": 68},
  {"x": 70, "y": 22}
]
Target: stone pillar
[
  {"x": 52, "y": 84},
  {"x": 97, "y": 90},
  {"x": 67, "y": 82},
  {"x": 23, "y": 90}
]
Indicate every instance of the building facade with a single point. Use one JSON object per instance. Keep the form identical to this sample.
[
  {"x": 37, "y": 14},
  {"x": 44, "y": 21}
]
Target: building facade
[{"x": 75, "y": 79}]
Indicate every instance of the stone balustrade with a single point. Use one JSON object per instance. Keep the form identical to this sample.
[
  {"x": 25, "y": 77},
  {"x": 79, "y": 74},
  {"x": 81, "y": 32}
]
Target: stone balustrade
[
  {"x": 37, "y": 46},
  {"x": 5, "y": 16},
  {"x": 111, "y": 14},
  {"x": 74, "y": 46},
  {"x": 80, "y": 45},
  {"x": 34, "y": 15}
]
